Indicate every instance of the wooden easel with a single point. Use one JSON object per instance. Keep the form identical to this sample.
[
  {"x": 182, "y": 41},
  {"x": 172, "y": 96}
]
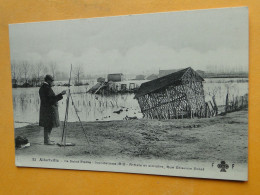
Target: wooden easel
[{"x": 64, "y": 130}]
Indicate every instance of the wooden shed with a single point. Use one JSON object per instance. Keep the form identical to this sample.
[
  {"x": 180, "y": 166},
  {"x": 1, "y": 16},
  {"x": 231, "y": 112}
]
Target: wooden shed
[
  {"x": 101, "y": 80},
  {"x": 177, "y": 95},
  {"x": 115, "y": 77}
]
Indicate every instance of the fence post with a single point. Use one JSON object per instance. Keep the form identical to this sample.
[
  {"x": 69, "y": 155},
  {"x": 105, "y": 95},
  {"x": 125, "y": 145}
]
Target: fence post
[
  {"x": 226, "y": 108},
  {"x": 213, "y": 110},
  {"x": 206, "y": 109},
  {"x": 215, "y": 105}
]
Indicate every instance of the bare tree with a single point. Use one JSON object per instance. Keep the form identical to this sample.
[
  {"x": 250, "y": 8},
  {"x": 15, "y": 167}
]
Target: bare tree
[
  {"x": 25, "y": 68},
  {"x": 39, "y": 70},
  {"x": 14, "y": 70},
  {"x": 53, "y": 68},
  {"x": 78, "y": 72},
  {"x": 33, "y": 76},
  {"x": 19, "y": 73},
  {"x": 45, "y": 70}
]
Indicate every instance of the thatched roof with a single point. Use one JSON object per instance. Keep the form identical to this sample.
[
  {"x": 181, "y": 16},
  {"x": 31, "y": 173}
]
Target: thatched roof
[{"x": 165, "y": 81}]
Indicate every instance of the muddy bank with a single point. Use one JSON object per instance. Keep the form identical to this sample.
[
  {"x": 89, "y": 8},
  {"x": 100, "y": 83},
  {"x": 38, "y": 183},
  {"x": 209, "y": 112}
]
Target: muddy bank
[{"x": 207, "y": 139}]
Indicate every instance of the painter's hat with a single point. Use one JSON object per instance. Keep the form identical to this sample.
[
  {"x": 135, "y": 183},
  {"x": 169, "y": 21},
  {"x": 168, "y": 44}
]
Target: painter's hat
[{"x": 48, "y": 78}]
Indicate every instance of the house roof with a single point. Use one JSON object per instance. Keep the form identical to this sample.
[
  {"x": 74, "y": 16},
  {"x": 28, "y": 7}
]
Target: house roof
[
  {"x": 115, "y": 74},
  {"x": 166, "y": 72},
  {"x": 157, "y": 84},
  {"x": 152, "y": 77}
]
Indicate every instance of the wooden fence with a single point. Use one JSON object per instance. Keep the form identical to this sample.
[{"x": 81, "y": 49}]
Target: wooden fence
[
  {"x": 236, "y": 103},
  {"x": 231, "y": 105}
]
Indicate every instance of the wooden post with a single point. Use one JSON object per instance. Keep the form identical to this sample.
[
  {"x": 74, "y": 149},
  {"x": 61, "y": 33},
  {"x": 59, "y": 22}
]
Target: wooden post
[
  {"x": 213, "y": 110},
  {"x": 226, "y": 108},
  {"x": 237, "y": 103},
  {"x": 206, "y": 110},
  {"x": 215, "y": 105}
]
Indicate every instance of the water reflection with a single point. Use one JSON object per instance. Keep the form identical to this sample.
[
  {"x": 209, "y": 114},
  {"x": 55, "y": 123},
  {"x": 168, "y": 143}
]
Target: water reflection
[{"x": 26, "y": 102}]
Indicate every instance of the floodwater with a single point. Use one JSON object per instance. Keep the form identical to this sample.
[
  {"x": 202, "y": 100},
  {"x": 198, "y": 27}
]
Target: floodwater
[{"x": 89, "y": 107}]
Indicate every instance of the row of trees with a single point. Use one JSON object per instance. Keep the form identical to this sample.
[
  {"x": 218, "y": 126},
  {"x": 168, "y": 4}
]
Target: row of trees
[{"x": 25, "y": 74}]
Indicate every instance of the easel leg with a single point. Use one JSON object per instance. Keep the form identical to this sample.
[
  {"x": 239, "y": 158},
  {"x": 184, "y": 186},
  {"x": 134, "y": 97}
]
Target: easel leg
[{"x": 63, "y": 138}]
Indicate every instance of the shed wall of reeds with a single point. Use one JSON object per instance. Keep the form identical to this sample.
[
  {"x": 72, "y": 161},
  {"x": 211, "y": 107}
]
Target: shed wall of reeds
[{"x": 178, "y": 95}]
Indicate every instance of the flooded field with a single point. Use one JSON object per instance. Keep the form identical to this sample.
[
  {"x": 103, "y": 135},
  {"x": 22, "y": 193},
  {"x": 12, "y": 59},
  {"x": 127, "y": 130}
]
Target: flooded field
[{"x": 26, "y": 101}]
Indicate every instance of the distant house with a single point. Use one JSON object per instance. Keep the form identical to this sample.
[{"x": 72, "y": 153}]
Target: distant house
[
  {"x": 140, "y": 77},
  {"x": 152, "y": 77},
  {"x": 166, "y": 72},
  {"x": 115, "y": 77},
  {"x": 101, "y": 79},
  {"x": 177, "y": 95}
]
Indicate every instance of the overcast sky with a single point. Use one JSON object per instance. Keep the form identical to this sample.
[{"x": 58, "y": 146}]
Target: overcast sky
[{"x": 202, "y": 39}]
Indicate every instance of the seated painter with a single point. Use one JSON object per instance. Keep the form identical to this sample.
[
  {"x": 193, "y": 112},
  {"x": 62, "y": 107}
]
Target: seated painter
[{"x": 49, "y": 114}]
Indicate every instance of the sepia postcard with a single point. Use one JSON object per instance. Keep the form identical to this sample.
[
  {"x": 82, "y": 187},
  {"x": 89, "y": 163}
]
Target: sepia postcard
[{"x": 161, "y": 93}]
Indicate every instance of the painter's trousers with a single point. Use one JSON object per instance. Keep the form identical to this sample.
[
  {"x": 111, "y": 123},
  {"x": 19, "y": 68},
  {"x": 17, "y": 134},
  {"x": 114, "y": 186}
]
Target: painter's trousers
[{"x": 47, "y": 133}]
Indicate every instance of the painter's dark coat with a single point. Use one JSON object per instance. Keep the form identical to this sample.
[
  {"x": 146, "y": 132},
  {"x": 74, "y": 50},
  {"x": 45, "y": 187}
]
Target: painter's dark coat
[{"x": 49, "y": 114}]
